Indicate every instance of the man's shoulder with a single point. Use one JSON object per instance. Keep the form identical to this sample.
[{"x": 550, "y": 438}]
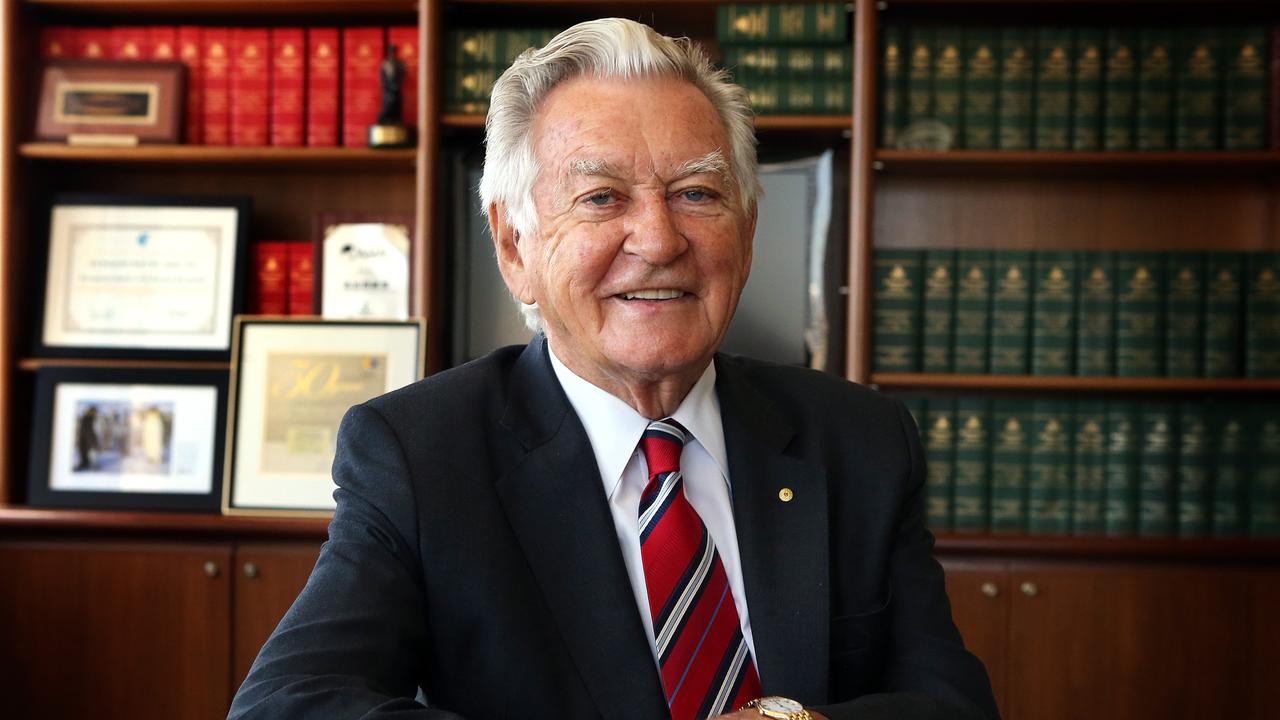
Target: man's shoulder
[{"x": 803, "y": 389}]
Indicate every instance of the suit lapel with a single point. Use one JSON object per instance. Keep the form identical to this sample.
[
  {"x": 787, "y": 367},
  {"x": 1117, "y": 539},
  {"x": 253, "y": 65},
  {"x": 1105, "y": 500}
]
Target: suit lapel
[
  {"x": 783, "y": 545},
  {"x": 559, "y": 513}
]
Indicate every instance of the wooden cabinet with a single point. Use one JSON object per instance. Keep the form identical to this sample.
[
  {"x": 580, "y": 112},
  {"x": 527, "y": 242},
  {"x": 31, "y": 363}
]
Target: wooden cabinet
[
  {"x": 1076, "y": 639},
  {"x": 267, "y": 579}
]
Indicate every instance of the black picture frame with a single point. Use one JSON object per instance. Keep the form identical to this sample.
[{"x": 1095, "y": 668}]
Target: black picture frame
[
  {"x": 196, "y": 414},
  {"x": 228, "y": 280}
]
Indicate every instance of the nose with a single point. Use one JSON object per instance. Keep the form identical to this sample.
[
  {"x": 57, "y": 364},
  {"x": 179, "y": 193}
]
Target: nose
[{"x": 652, "y": 233}]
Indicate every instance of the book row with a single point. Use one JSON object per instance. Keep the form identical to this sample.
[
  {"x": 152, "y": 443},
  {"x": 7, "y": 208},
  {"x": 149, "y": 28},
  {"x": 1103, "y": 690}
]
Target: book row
[
  {"x": 282, "y": 86},
  {"x": 1127, "y": 314},
  {"x": 283, "y": 279},
  {"x": 477, "y": 56},
  {"x": 782, "y": 23},
  {"x": 1078, "y": 88},
  {"x": 1094, "y": 467},
  {"x": 790, "y": 58}
]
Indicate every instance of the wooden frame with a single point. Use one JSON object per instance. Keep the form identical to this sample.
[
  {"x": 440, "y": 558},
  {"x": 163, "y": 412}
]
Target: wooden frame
[
  {"x": 128, "y": 439},
  {"x": 111, "y": 103}
]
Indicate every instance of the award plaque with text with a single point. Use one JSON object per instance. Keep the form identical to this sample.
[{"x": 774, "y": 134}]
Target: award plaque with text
[
  {"x": 363, "y": 265},
  {"x": 292, "y": 382},
  {"x": 143, "y": 277}
]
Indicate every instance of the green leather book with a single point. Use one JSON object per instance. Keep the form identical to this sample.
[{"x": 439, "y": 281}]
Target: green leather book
[
  {"x": 1052, "y": 104},
  {"x": 1120, "y": 89},
  {"x": 1139, "y": 302},
  {"x": 1120, "y": 513},
  {"x": 1193, "y": 471},
  {"x": 939, "y": 310},
  {"x": 1086, "y": 110},
  {"x": 1154, "y": 128},
  {"x": 1223, "y": 313},
  {"x": 1010, "y": 455},
  {"x": 1053, "y": 327},
  {"x": 810, "y": 22},
  {"x": 746, "y": 23},
  {"x": 981, "y": 87},
  {"x": 893, "y": 80},
  {"x": 1199, "y": 84},
  {"x": 1157, "y": 458},
  {"x": 1264, "y": 483},
  {"x": 971, "y": 494},
  {"x": 920, "y": 45},
  {"x": 1245, "y": 90},
  {"x": 1017, "y": 85},
  {"x": 973, "y": 311},
  {"x": 472, "y": 47},
  {"x": 835, "y": 96},
  {"x": 798, "y": 96},
  {"x": 1096, "y": 318},
  {"x": 473, "y": 84},
  {"x": 766, "y": 96},
  {"x": 835, "y": 62},
  {"x": 1184, "y": 314},
  {"x": 948, "y": 79},
  {"x": 939, "y": 451},
  {"x": 1011, "y": 313},
  {"x": 1089, "y": 469},
  {"x": 1049, "y": 472},
  {"x": 1228, "y": 430},
  {"x": 1262, "y": 315},
  {"x": 898, "y": 296},
  {"x": 751, "y": 63}
]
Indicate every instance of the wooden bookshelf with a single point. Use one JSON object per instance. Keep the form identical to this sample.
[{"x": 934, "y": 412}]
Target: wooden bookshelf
[
  {"x": 969, "y": 160},
  {"x": 203, "y": 155},
  {"x": 20, "y": 518},
  {"x": 35, "y": 364},
  {"x": 224, "y": 8},
  {"x": 1067, "y": 384},
  {"x": 763, "y": 122}
]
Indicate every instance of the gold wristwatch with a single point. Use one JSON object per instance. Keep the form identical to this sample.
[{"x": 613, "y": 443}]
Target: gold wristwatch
[{"x": 780, "y": 708}]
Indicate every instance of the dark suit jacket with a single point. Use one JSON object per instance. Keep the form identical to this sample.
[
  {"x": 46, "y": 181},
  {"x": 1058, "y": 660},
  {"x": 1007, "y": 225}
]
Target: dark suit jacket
[{"x": 473, "y": 555}]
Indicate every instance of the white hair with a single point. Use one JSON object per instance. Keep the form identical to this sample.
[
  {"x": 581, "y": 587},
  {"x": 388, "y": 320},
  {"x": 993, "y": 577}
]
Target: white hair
[{"x": 609, "y": 48}]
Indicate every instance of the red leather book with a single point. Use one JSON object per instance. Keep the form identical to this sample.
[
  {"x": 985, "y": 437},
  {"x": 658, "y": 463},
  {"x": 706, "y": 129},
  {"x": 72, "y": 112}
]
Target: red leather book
[
  {"x": 95, "y": 43},
  {"x": 288, "y": 86},
  {"x": 190, "y": 45},
  {"x": 362, "y": 50},
  {"x": 130, "y": 43},
  {"x": 164, "y": 42},
  {"x": 250, "y": 87},
  {"x": 405, "y": 38},
  {"x": 59, "y": 42},
  {"x": 323, "y": 86},
  {"x": 269, "y": 294},
  {"x": 302, "y": 278},
  {"x": 1275, "y": 87},
  {"x": 216, "y": 83}
]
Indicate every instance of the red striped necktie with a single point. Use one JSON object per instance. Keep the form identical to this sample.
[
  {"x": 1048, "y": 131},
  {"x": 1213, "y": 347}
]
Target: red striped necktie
[{"x": 706, "y": 666}]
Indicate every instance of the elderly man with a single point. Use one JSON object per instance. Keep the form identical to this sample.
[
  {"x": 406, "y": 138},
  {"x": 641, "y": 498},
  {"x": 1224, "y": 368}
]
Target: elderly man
[{"x": 616, "y": 521}]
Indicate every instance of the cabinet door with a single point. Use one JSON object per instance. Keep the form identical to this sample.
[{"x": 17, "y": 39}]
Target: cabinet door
[
  {"x": 1265, "y": 639},
  {"x": 979, "y": 592},
  {"x": 268, "y": 578},
  {"x": 115, "y": 630},
  {"x": 1129, "y": 641}
]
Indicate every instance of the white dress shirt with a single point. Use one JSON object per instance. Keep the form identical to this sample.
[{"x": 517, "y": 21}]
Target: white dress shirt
[{"x": 614, "y": 429}]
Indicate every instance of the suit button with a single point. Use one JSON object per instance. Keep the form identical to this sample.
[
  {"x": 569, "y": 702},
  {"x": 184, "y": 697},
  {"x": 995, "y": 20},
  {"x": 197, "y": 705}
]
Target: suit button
[{"x": 785, "y": 494}]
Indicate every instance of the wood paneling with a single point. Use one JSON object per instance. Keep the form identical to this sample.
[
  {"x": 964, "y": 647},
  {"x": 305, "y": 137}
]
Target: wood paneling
[
  {"x": 980, "y": 591},
  {"x": 267, "y": 579},
  {"x": 115, "y": 630}
]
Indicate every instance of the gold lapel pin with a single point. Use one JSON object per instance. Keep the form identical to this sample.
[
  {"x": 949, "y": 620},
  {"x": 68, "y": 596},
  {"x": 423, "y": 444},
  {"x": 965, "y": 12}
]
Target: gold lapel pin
[{"x": 785, "y": 494}]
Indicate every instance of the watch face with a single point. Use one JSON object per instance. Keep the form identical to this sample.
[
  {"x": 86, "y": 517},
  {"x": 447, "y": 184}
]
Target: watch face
[{"x": 780, "y": 705}]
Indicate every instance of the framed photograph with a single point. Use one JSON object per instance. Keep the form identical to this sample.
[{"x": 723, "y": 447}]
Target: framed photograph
[
  {"x": 128, "y": 439},
  {"x": 292, "y": 380},
  {"x": 363, "y": 265},
  {"x": 101, "y": 102},
  {"x": 143, "y": 276}
]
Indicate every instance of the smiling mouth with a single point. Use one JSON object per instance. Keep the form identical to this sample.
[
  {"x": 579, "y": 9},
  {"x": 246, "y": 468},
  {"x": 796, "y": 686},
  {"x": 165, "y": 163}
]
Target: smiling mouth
[{"x": 659, "y": 294}]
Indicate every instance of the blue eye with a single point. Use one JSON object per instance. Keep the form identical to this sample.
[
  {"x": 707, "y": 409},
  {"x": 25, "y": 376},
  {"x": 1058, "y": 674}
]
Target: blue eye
[
  {"x": 695, "y": 195},
  {"x": 600, "y": 199}
]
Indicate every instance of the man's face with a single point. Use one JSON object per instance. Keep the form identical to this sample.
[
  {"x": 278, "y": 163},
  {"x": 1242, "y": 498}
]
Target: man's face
[{"x": 641, "y": 250}]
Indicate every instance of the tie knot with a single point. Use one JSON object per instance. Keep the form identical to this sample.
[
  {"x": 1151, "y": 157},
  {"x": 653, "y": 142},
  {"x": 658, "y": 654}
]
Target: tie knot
[{"x": 661, "y": 444}]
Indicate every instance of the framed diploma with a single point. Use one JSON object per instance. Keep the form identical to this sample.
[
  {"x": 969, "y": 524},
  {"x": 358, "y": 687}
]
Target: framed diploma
[
  {"x": 100, "y": 102},
  {"x": 128, "y": 439},
  {"x": 363, "y": 265},
  {"x": 292, "y": 381},
  {"x": 143, "y": 277}
]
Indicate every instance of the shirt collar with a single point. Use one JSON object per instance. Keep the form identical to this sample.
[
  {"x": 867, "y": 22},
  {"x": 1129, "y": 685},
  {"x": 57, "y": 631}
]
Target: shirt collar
[{"x": 614, "y": 428}]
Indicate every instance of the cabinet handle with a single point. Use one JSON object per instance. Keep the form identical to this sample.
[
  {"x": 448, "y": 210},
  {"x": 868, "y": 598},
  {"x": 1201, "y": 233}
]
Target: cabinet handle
[
  {"x": 990, "y": 589},
  {"x": 211, "y": 569},
  {"x": 1029, "y": 589},
  {"x": 251, "y": 570}
]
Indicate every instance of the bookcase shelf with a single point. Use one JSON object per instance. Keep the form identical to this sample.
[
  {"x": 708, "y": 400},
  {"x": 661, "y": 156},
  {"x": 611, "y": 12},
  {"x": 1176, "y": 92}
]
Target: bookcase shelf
[
  {"x": 34, "y": 364},
  {"x": 1226, "y": 550},
  {"x": 971, "y": 160},
  {"x": 15, "y": 518},
  {"x": 204, "y": 155},
  {"x": 216, "y": 8},
  {"x": 1044, "y": 383},
  {"x": 763, "y": 122}
]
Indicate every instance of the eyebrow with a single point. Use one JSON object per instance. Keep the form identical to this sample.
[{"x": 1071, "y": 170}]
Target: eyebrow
[{"x": 711, "y": 163}]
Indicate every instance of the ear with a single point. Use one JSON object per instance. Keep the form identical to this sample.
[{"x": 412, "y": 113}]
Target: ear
[{"x": 506, "y": 245}]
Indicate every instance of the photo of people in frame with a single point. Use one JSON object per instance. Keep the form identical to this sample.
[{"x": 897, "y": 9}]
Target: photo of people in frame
[{"x": 119, "y": 437}]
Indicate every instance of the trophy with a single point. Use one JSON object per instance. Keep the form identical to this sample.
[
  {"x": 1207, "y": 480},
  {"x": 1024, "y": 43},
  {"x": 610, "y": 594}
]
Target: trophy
[{"x": 390, "y": 130}]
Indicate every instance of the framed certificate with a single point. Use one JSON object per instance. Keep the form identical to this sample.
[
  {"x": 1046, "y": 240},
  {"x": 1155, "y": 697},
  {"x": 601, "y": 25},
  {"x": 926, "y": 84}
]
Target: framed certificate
[
  {"x": 128, "y": 439},
  {"x": 363, "y": 263},
  {"x": 292, "y": 381},
  {"x": 143, "y": 277}
]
